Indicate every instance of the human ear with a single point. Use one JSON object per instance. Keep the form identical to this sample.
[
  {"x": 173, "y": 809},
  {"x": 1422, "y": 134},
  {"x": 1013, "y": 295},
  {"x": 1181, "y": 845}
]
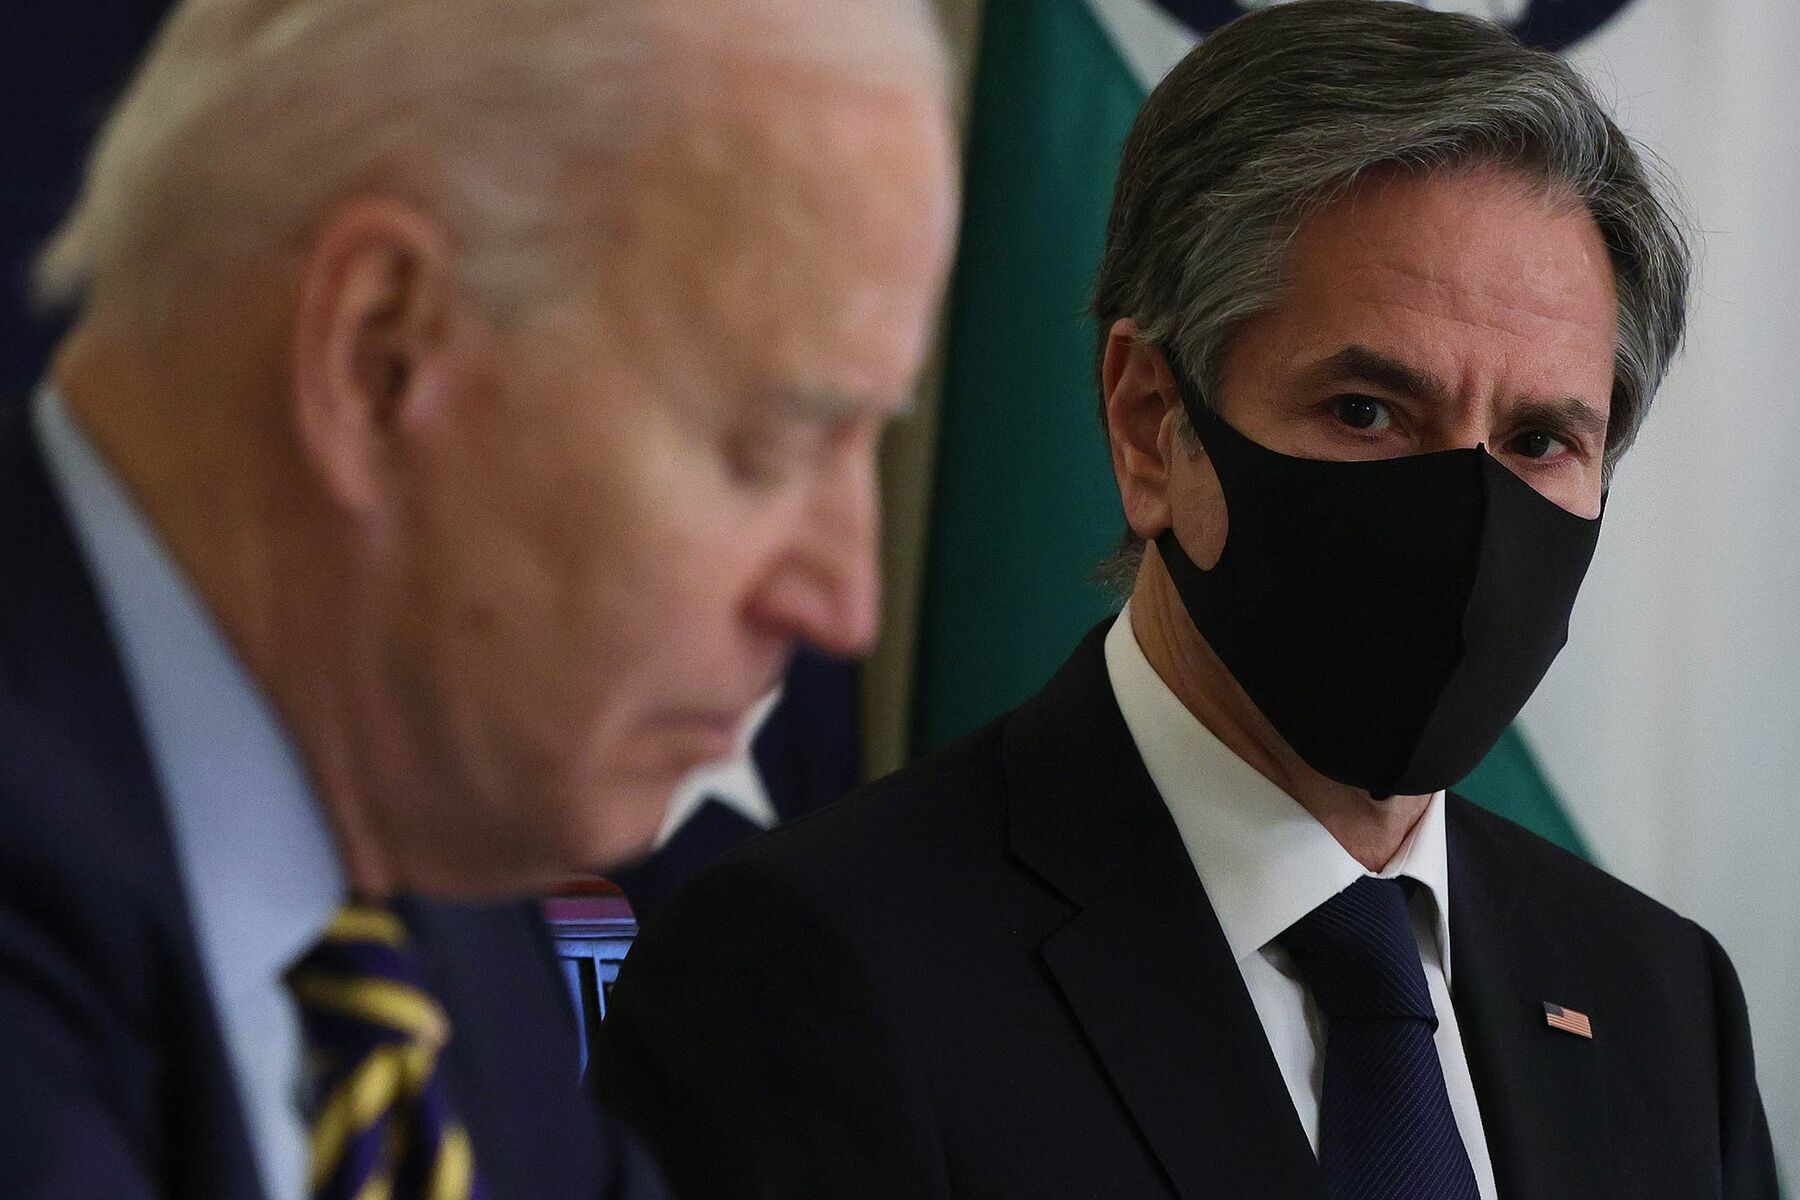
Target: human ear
[
  {"x": 1143, "y": 408},
  {"x": 373, "y": 324}
]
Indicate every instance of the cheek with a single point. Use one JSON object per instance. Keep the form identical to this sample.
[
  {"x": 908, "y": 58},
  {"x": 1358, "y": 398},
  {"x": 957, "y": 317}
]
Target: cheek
[
  {"x": 1581, "y": 495},
  {"x": 652, "y": 618},
  {"x": 664, "y": 597},
  {"x": 528, "y": 594}
]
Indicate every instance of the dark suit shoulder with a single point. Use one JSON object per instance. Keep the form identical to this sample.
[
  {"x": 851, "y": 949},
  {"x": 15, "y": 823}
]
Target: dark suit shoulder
[
  {"x": 80, "y": 879},
  {"x": 1535, "y": 871},
  {"x": 786, "y": 1009},
  {"x": 921, "y": 826},
  {"x": 1585, "y": 913},
  {"x": 1663, "y": 995},
  {"x": 754, "y": 1039},
  {"x": 113, "y": 1082},
  {"x": 85, "y": 855}
]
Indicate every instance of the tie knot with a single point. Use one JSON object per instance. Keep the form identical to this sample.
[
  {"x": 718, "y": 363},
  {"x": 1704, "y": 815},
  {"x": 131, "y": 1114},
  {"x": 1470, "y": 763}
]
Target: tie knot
[
  {"x": 1358, "y": 955},
  {"x": 361, "y": 981}
]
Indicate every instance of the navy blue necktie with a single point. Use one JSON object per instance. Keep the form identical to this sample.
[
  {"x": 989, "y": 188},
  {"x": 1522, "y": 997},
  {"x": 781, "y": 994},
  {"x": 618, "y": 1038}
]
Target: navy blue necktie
[{"x": 1386, "y": 1129}]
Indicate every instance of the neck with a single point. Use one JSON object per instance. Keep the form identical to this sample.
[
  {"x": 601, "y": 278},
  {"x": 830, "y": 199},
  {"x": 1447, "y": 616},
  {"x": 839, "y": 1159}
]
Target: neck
[
  {"x": 204, "y": 465},
  {"x": 1370, "y": 830}
]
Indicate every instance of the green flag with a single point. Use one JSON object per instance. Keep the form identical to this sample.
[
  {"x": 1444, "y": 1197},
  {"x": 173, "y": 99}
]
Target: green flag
[{"x": 1024, "y": 504}]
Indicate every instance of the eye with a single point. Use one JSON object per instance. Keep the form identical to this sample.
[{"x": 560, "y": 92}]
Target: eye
[
  {"x": 756, "y": 465},
  {"x": 771, "y": 457},
  {"x": 1363, "y": 413},
  {"x": 1536, "y": 443}
]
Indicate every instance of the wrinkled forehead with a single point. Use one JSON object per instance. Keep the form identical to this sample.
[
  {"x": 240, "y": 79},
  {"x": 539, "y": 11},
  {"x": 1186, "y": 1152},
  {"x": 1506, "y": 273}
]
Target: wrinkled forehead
[{"x": 1479, "y": 242}]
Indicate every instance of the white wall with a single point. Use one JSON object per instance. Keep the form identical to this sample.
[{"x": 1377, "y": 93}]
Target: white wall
[{"x": 1671, "y": 724}]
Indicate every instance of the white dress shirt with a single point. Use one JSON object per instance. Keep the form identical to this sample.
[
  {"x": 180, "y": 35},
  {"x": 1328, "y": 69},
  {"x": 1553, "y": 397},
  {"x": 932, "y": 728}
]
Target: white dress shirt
[
  {"x": 260, "y": 870},
  {"x": 1265, "y": 862}
]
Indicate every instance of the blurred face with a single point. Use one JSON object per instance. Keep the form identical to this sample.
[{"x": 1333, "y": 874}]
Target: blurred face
[
  {"x": 1429, "y": 314},
  {"x": 628, "y": 520}
]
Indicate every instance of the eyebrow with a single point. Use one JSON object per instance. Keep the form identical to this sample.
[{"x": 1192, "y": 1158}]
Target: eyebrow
[
  {"x": 1563, "y": 414},
  {"x": 828, "y": 406},
  {"x": 1567, "y": 416},
  {"x": 1361, "y": 364}
]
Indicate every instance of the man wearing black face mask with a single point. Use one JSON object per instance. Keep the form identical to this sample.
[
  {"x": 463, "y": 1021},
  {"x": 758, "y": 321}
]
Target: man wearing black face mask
[{"x": 1385, "y": 297}]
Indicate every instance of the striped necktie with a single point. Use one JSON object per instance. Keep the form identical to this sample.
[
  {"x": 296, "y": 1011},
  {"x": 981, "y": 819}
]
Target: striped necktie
[
  {"x": 381, "y": 1125},
  {"x": 1386, "y": 1128}
]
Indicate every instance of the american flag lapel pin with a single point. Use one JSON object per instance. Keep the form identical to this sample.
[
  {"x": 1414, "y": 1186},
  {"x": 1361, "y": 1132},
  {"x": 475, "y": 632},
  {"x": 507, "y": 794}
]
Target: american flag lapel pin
[{"x": 1568, "y": 1020}]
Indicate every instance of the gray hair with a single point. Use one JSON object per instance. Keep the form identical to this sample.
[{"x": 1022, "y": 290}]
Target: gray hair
[
  {"x": 1284, "y": 109},
  {"x": 248, "y": 119}
]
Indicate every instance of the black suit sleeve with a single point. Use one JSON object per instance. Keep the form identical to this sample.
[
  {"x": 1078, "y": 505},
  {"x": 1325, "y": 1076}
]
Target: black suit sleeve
[
  {"x": 631, "y": 1172},
  {"x": 1746, "y": 1154},
  {"x": 61, "y": 1136},
  {"x": 747, "y": 1046}
]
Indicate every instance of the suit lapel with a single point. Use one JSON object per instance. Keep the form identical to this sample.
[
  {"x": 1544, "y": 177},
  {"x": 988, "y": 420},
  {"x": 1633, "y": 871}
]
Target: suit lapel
[
  {"x": 1541, "y": 1090},
  {"x": 58, "y": 664},
  {"x": 1143, "y": 963},
  {"x": 56, "y": 654},
  {"x": 512, "y": 1049}
]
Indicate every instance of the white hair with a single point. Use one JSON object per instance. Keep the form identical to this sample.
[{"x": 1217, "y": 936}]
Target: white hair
[{"x": 249, "y": 119}]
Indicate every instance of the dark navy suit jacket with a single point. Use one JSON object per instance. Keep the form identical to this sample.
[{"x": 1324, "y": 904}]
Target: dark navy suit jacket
[
  {"x": 114, "y": 1081},
  {"x": 996, "y": 974}
]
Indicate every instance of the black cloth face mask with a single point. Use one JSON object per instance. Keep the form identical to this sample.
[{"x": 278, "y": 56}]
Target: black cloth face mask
[{"x": 1391, "y": 617}]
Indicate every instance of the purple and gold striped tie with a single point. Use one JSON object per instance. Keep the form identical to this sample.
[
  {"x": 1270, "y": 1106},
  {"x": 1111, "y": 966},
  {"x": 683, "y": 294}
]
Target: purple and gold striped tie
[{"x": 381, "y": 1125}]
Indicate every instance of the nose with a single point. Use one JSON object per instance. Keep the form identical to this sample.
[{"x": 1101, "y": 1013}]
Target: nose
[
  {"x": 1461, "y": 430},
  {"x": 826, "y": 588}
]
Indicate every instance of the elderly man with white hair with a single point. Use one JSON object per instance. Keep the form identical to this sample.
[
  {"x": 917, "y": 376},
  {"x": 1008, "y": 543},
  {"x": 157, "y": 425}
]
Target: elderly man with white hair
[{"x": 470, "y": 406}]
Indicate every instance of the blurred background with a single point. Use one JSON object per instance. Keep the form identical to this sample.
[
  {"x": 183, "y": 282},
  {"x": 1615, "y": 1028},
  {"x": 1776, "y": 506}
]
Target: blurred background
[{"x": 1665, "y": 743}]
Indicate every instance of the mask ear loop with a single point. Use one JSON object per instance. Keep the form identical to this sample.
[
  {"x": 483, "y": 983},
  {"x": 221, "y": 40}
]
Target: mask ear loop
[
  {"x": 1167, "y": 541},
  {"x": 1186, "y": 390},
  {"x": 1208, "y": 425},
  {"x": 1225, "y": 446}
]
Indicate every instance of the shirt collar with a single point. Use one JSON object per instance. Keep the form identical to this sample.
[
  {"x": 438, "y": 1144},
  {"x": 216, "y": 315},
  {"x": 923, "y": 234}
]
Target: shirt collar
[
  {"x": 257, "y": 860},
  {"x": 1264, "y": 861}
]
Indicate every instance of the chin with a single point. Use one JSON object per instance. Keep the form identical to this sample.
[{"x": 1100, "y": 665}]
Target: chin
[
  {"x": 620, "y": 827},
  {"x": 697, "y": 745}
]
